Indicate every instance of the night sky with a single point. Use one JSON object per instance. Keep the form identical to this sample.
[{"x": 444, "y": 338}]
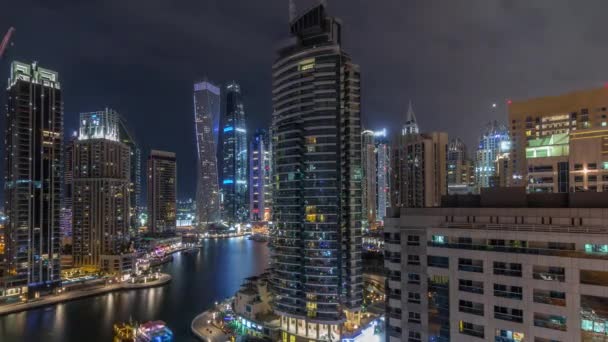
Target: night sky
[{"x": 453, "y": 59}]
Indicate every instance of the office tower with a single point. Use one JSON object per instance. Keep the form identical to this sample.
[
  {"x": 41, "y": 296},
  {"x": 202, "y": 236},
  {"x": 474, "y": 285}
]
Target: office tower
[
  {"x": 419, "y": 170},
  {"x": 68, "y": 186},
  {"x": 260, "y": 186},
  {"x": 235, "y": 205},
  {"x": 558, "y": 142},
  {"x": 100, "y": 195},
  {"x": 461, "y": 171},
  {"x": 493, "y": 142},
  {"x": 369, "y": 190},
  {"x": 316, "y": 270},
  {"x": 186, "y": 213},
  {"x": 206, "y": 118},
  {"x": 126, "y": 136},
  {"x": 410, "y": 125},
  {"x": 383, "y": 177},
  {"x": 32, "y": 179},
  {"x": 541, "y": 276},
  {"x": 162, "y": 188}
]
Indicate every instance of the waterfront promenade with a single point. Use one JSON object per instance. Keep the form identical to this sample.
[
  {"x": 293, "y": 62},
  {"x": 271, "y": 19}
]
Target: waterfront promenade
[
  {"x": 82, "y": 293},
  {"x": 203, "y": 326}
]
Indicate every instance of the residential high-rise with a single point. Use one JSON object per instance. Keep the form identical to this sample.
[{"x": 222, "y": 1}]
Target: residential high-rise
[
  {"x": 206, "y": 118},
  {"x": 419, "y": 170},
  {"x": 126, "y": 137},
  {"x": 68, "y": 186},
  {"x": 316, "y": 266},
  {"x": 494, "y": 141},
  {"x": 100, "y": 190},
  {"x": 500, "y": 266},
  {"x": 461, "y": 171},
  {"x": 369, "y": 189},
  {"x": 383, "y": 177},
  {"x": 32, "y": 179},
  {"x": 162, "y": 189},
  {"x": 260, "y": 186},
  {"x": 233, "y": 137}
]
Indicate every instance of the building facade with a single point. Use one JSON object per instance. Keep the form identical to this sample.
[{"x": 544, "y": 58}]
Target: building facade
[
  {"x": 127, "y": 137},
  {"x": 32, "y": 180},
  {"x": 260, "y": 177},
  {"x": 206, "y": 118},
  {"x": 100, "y": 192},
  {"x": 234, "y": 184},
  {"x": 419, "y": 170},
  {"x": 383, "y": 177},
  {"x": 369, "y": 184},
  {"x": 494, "y": 142},
  {"x": 162, "y": 192},
  {"x": 528, "y": 271},
  {"x": 316, "y": 266},
  {"x": 461, "y": 170}
]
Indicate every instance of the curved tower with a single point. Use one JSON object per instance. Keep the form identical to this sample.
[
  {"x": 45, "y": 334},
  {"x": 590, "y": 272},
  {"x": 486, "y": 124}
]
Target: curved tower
[{"x": 317, "y": 181}]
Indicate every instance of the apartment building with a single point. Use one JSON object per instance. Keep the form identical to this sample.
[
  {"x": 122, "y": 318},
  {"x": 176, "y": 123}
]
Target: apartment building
[{"x": 501, "y": 266}]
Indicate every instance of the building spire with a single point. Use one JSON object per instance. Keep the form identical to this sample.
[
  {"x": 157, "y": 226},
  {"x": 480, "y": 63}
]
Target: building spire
[
  {"x": 410, "y": 125},
  {"x": 292, "y": 11}
]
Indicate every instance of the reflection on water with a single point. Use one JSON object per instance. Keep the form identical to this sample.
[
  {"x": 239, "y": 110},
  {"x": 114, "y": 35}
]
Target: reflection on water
[{"x": 215, "y": 272}]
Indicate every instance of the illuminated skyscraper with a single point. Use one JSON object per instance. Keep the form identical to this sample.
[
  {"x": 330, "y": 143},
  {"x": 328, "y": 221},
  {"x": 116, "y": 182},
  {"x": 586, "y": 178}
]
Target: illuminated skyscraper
[
  {"x": 206, "y": 118},
  {"x": 126, "y": 137},
  {"x": 383, "y": 174},
  {"x": 493, "y": 142},
  {"x": 100, "y": 195},
  {"x": 260, "y": 186},
  {"x": 316, "y": 271},
  {"x": 369, "y": 183},
  {"x": 162, "y": 189},
  {"x": 32, "y": 179},
  {"x": 461, "y": 171},
  {"x": 234, "y": 162}
]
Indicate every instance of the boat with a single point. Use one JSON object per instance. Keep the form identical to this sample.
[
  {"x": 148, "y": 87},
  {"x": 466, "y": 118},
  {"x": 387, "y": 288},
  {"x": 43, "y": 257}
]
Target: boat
[{"x": 153, "y": 331}]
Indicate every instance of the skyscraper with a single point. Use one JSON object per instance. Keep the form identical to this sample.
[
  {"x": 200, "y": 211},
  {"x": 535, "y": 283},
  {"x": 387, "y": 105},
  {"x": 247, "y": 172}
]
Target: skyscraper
[
  {"x": 461, "y": 172},
  {"x": 317, "y": 173},
  {"x": 100, "y": 195},
  {"x": 162, "y": 185},
  {"x": 126, "y": 137},
  {"x": 369, "y": 183},
  {"x": 410, "y": 125},
  {"x": 383, "y": 176},
  {"x": 234, "y": 158},
  {"x": 32, "y": 179},
  {"x": 260, "y": 186},
  {"x": 206, "y": 118},
  {"x": 493, "y": 142}
]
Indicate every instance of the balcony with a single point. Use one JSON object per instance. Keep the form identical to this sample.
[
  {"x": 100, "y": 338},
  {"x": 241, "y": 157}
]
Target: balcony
[{"x": 550, "y": 321}]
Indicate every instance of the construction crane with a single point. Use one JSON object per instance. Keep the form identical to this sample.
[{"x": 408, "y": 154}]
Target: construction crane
[{"x": 6, "y": 40}]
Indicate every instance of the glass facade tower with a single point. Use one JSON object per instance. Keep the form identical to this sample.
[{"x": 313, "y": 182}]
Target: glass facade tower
[
  {"x": 316, "y": 266},
  {"x": 493, "y": 141},
  {"x": 260, "y": 186},
  {"x": 234, "y": 158},
  {"x": 206, "y": 118}
]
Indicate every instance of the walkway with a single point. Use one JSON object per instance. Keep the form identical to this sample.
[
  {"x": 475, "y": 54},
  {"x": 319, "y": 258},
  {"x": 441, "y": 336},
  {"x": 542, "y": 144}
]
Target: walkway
[{"x": 204, "y": 330}]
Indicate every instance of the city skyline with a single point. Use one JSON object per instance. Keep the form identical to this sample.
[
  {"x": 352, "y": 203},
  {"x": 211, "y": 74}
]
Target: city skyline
[{"x": 440, "y": 96}]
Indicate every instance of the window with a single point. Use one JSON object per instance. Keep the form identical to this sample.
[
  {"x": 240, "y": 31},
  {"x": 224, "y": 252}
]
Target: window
[
  {"x": 413, "y": 259},
  {"x": 413, "y": 240},
  {"x": 508, "y": 291},
  {"x": 599, "y": 278},
  {"x": 507, "y": 269},
  {"x": 554, "y": 322},
  {"x": 470, "y": 329},
  {"x": 592, "y": 166},
  {"x": 438, "y": 261},
  {"x": 470, "y": 265},
  {"x": 508, "y": 336},
  {"x": 470, "y": 286},
  {"x": 592, "y": 178},
  {"x": 413, "y": 278},
  {"x": 549, "y": 297},
  {"x": 414, "y": 336},
  {"x": 592, "y": 248},
  {"x": 413, "y": 297},
  {"x": 470, "y": 307},
  {"x": 438, "y": 239},
  {"x": 578, "y": 167},
  {"x": 549, "y": 273},
  {"x": 578, "y": 179},
  {"x": 508, "y": 314},
  {"x": 413, "y": 317}
]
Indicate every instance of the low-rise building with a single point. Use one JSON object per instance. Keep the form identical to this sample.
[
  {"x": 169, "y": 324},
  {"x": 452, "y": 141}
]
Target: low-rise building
[{"x": 501, "y": 266}]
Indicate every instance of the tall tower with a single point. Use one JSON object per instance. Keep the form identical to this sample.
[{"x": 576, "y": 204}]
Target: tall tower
[
  {"x": 383, "y": 174},
  {"x": 100, "y": 195},
  {"x": 162, "y": 185},
  {"x": 260, "y": 186},
  {"x": 32, "y": 179},
  {"x": 369, "y": 183},
  {"x": 410, "y": 125},
  {"x": 234, "y": 158},
  {"x": 126, "y": 136},
  {"x": 206, "y": 118},
  {"x": 493, "y": 142},
  {"x": 461, "y": 173},
  {"x": 316, "y": 270}
]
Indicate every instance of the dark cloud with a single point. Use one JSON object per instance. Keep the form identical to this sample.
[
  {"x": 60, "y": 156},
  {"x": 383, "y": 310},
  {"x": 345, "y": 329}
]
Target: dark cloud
[{"x": 452, "y": 58}]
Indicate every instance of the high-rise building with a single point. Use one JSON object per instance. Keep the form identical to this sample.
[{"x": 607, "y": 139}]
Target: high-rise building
[
  {"x": 206, "y": 118},
  {"x": 410, "y": 124},
  {"x": 559, "y": 142},
  {"x": 260, "y": 186},
  {"x": 100, "y": 190},
  {"x": 162, "y": 189},
  {"x": 234, "y": 178},
  {"x": 461, "y": 170},
  {"x": 493, "y": 143},
  {"x": 316, "y": 274},
  {"x": 68, "y": 187},
  {"x": 500, "y": 266},
  {"x": 126, "y": 137},
  {"x": 383, "y": 177},
  {"x": 186, "y": 213},
  {"x": 32, "y": 180},
  {"x": 369, "y": 189}
]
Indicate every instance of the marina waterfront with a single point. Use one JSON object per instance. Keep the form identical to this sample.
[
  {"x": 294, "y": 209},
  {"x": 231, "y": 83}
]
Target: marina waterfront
[{"x": 214, "y": 272}]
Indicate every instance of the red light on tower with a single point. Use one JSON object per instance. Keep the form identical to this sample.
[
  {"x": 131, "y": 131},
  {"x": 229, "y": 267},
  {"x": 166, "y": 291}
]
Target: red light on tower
[{"x": 509, "y": 102}]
